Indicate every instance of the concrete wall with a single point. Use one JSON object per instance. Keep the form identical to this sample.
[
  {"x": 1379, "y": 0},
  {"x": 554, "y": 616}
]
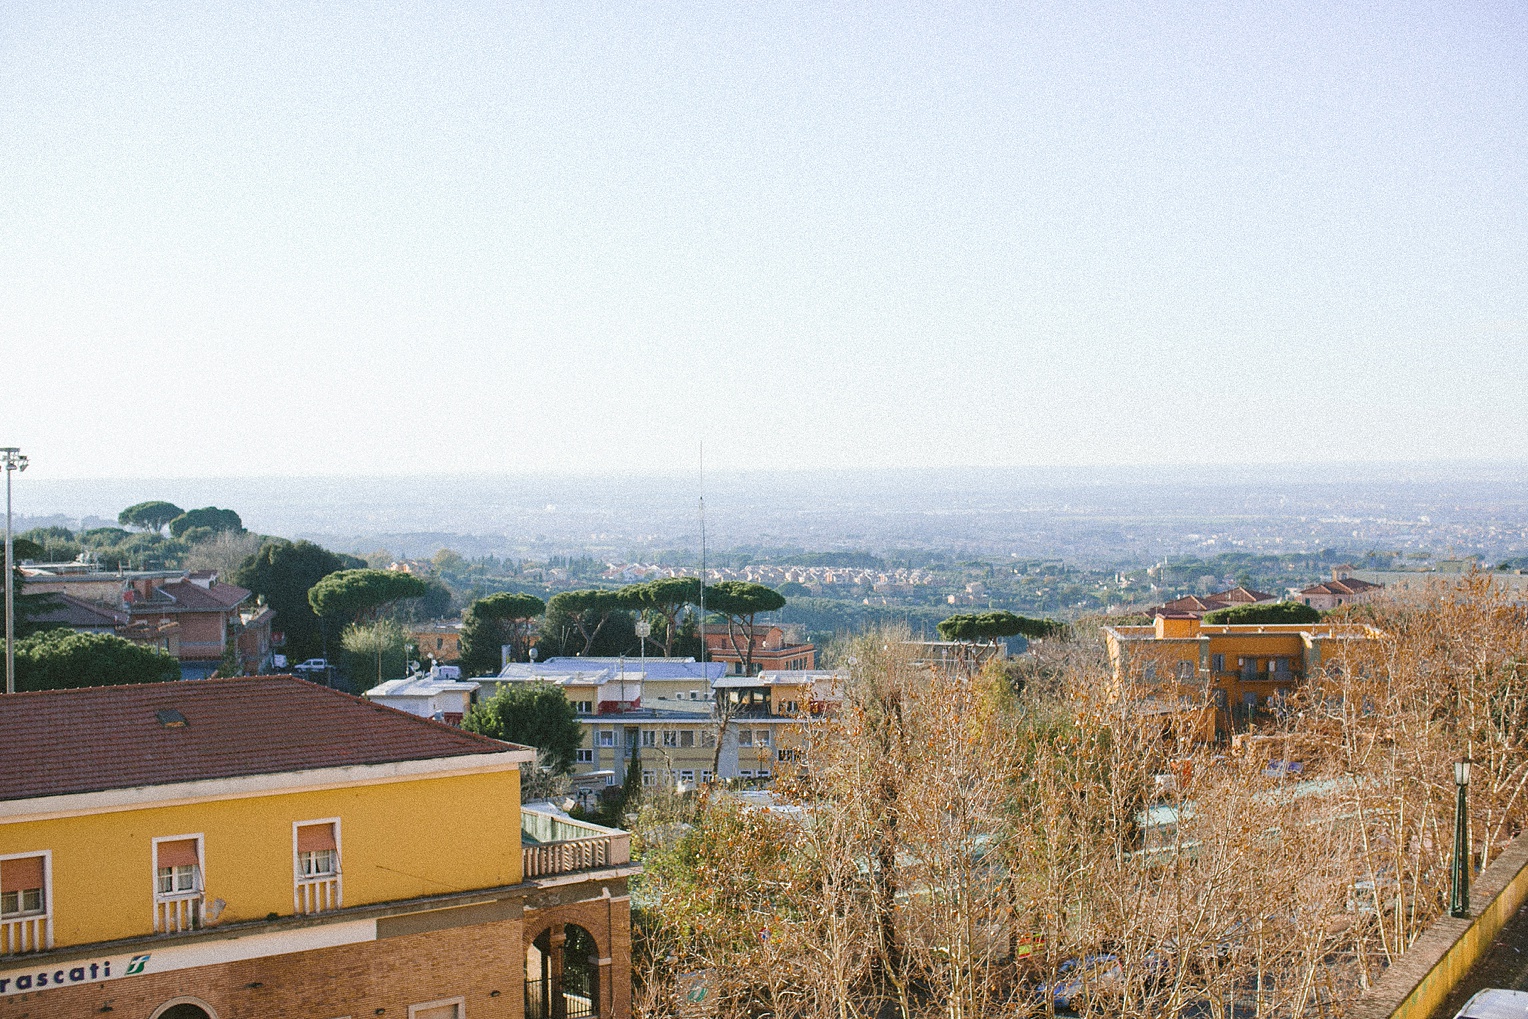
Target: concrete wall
[{"x": 1417, "y": 985}]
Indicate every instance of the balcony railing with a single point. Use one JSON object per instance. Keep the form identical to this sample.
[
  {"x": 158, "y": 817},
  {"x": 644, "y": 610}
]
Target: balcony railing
[
  {"x": 317, "y": 894},
  {"x": 560, "y": 845},
  {"x": 26, "y": 934},
  {"x": 181, "y": 911}
]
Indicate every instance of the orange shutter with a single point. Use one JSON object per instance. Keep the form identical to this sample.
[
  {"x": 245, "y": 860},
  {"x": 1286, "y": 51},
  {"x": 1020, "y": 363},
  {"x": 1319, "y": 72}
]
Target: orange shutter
[
  {"x": 21, "y": 875},
  {"x": 177, "y": 854},
  {"x": 313, "y": 837}
]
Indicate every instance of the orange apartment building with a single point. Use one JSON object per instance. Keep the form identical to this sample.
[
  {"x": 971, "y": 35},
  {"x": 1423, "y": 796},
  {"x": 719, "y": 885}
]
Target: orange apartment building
[
  {"x": 268, "y": 847},
  {"x": 1209, "y": 681}
]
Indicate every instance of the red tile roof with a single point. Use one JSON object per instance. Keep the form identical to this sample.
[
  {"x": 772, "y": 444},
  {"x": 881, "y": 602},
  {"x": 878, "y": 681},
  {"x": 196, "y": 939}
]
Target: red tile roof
[
  {"x": 108, "y": 737},
  {"x": 79, "y": 614},
  {"x": 184, "y": 596}
]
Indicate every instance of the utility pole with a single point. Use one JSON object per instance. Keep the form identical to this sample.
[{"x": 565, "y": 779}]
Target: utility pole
[{"x": 13, "y": 460}]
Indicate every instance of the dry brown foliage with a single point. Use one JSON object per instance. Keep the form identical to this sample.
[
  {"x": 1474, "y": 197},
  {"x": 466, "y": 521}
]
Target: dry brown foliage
[{"x": 954, "y": 841}]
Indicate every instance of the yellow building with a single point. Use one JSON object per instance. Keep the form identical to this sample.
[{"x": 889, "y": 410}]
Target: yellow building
[
  {"x": 1225, "y": 677},
  {"x": 267, "y": 846},
  {"x": 668, "y": 714}
]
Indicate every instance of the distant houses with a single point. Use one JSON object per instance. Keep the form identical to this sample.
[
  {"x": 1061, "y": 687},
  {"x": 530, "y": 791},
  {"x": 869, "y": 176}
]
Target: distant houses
[
  {"x": 1194, "y": 606},
  {"x": 1342, "y": 589},
  {"x": 192, "y": 615}
]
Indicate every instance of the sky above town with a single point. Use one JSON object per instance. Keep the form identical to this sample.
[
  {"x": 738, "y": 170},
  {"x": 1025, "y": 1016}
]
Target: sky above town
[{"x": 249, "y": 239}]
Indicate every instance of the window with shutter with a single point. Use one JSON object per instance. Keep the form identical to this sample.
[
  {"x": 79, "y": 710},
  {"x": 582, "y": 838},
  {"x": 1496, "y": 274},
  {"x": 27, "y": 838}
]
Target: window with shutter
[
  {"x": 21, "y": 886},
  {"x": 318, "y": 853},
  {"x": 176, "y": 864},
  {"x": 316, "y": 866}
]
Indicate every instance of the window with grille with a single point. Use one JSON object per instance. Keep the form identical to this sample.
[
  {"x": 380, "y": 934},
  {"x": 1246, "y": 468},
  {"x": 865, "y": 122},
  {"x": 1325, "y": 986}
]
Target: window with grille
[
  {"x": 178, "y": 883},
  {"x": 316, "y": 864},
  {"x": 687, "y": 737}
]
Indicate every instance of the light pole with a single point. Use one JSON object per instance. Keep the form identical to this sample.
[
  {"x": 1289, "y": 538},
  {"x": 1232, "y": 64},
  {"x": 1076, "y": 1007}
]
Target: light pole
[
  {"x": 1459, "y": 899},
  {"x": 643, "y": 629},
  {"x": 13, "y": 460}
]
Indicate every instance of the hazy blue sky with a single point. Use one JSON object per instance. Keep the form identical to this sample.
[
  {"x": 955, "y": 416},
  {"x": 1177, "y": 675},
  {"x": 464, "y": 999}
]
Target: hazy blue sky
[{"x": 308, "y": 239}]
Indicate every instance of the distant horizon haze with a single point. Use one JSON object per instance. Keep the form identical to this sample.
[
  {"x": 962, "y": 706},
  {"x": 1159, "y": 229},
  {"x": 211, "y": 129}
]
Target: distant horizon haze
[
  {"x": 1079, "y": 512},
  {"x": 309, "y": 239}
]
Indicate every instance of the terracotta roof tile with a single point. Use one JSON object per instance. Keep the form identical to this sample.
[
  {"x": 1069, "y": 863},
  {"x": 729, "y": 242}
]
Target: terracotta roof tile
[{"x": 77, "y": 741}]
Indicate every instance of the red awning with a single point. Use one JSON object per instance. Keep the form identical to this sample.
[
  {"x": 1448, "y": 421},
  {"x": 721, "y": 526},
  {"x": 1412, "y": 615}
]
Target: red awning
[
  {"x": 21, "y": 875},
  {"x": 313, "y": 837},
  {"x": 181, "y": 853}
]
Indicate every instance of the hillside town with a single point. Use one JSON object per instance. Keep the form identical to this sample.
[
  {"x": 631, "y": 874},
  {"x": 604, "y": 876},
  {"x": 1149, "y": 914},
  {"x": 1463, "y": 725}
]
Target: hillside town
[
  {"x": 764, "y": 510},
  {"x": 649, "y": 720}
]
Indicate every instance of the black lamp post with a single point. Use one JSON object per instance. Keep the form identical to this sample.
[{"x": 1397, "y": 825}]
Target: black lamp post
[{"x": 1459, "y": 899}]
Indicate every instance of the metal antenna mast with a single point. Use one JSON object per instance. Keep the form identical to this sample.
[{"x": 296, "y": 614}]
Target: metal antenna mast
[{"x": 702, "y": 553}]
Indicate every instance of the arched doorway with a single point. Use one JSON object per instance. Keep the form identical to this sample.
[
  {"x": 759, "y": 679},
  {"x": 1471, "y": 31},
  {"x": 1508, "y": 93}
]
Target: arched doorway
[
  {"x": 184, "y": 1010},
  {"x": 562, "y": 974}
]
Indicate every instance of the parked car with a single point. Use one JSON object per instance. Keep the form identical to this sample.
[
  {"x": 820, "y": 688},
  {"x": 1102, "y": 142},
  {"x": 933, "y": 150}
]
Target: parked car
[
  {"x": 1077, "y": 978},
  {"x": 319, "y": 665},
  {"x": 1494, "y": 1003}
]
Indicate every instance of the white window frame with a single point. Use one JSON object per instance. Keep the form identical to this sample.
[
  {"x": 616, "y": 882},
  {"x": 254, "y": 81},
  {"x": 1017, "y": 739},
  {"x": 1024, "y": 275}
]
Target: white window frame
[
  {"x": 687, "y": 775},
  {"x": 459, "y": 1001},
  {"x": 585, "y": 755},
  {"x": 671, "y": 739},
  {"x": 197, "y": 895},
  {"x": 605, "y": 738},
  {"x": 299, "y": 881},
  {"x": 649, "y": 779},
  {"x": 46, "y": 916},
  {"x": 650, "y": 738}
]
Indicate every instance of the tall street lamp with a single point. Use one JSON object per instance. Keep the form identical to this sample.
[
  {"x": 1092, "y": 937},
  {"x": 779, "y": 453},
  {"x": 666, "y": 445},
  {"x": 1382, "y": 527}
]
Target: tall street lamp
[
  {"x": 13, "y": 460},
  {"x": 1459, "y": 900}
]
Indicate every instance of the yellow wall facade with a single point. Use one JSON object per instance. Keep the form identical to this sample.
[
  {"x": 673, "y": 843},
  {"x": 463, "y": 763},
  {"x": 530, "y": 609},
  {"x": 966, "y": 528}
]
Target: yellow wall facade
[{"x": 398, "y": 840}]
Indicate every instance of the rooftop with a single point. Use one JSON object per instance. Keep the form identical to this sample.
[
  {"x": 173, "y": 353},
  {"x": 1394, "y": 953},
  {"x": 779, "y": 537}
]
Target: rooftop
[
  {"x": 60, "y": 742},
  {"x": 421, "y": 686}
]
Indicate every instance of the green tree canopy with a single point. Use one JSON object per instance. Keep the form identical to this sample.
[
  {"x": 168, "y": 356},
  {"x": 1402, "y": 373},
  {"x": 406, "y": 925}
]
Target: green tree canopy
[
  {"x": 150, "y": 516},
  {"x": 25, "y": 548},
  {"x": 360, "y": 595},
  {"x": 209, "y": 517},
  {"x": 374, "y": 652},
  {"x": 666, "y": 599},
  {"x": 587, "y": 611},
  {"x": 62, "y": 659},
  {"x": 1273, "y": 612},
  {"x": 492, "y": 622},
  {"x": 989, "y": 626},
  {"x": 741, "y": 602},
  {"x": 435, "y": 603},
  {"x": 283, "y": 571},
  {"x": 533, "y": 714}
]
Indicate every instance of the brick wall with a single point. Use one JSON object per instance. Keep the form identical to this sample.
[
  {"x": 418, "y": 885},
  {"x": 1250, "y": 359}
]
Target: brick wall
[{"x": 483, "y": 963}]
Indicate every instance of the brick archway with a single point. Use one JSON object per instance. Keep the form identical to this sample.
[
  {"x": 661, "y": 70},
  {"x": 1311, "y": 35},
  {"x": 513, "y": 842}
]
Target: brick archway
[{"x": 567, "y": 973}]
